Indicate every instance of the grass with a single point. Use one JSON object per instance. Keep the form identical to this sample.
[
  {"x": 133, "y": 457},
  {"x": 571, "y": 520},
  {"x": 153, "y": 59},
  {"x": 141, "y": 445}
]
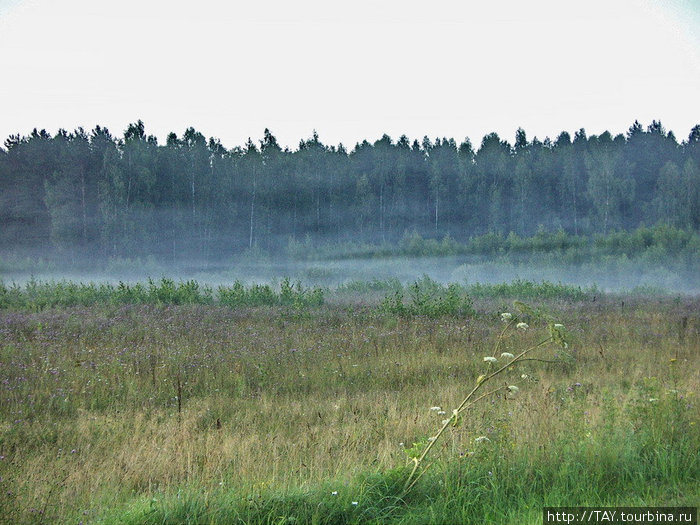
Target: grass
[{"x": 204, "y": 413}]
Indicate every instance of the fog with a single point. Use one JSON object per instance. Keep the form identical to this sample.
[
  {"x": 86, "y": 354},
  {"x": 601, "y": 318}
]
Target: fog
[{"x": 611, "y": 276}]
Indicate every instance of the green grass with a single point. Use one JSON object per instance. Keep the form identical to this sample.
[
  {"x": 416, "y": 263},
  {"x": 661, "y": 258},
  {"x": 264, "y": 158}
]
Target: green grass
[
  {"x": 493, "y": 486},
  {"x": 210, "y": 413}
]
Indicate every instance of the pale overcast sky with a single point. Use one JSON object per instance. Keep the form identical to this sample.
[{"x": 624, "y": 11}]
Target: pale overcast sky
[{"x": 349, "y": 69}]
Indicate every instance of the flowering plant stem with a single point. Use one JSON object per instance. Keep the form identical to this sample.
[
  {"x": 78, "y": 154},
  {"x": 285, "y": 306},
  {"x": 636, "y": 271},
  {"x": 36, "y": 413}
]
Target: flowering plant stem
[{"x": 467, "y": 402}]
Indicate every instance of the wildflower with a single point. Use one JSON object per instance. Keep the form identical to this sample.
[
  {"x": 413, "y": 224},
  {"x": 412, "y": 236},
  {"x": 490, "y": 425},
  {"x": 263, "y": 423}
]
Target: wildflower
[
  {"x": 435, "y": 409},
  {"x": 334, "y": 493},
  {"x": 507, "y": 355},
  {"x": 522, "y": 326},
  {"x": 355, "y": 503},
  {"x": 513, "y": 389},
  {"x": 524, "y": 376},
  {"x": 402, "y": 444},
  {"x": 490, "y": 359},
  {"x": 481, "y": 439},
  {"x": 506, "y": 316},
  {"x": 441, "y": 413}
]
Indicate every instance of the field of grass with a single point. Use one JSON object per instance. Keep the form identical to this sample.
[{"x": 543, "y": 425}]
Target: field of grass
[{"x": 293, "y": 411}]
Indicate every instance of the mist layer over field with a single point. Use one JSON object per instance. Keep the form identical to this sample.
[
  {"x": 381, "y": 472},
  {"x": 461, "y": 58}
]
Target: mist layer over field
[{"x": 611, "y": 276}]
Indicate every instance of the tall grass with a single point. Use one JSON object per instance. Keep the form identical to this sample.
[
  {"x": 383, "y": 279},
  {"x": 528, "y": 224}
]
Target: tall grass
[{"x": 200, "y": 413}]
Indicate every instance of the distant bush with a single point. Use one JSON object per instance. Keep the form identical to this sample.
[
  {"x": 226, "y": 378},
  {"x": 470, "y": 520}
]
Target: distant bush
[
  {"x": 375, "y": 285},
  {"x": 431, "y": 299},
  {"x": 18, "y": 263},
  {"x": 531, "y": 290},
  {"x": 317, "y": 273},
  {"x": 290, "y": 294},
  {"x": 656, "y": 244},
  {"x": 238, "y": 295},
  {"x": 414, "y": 245}
]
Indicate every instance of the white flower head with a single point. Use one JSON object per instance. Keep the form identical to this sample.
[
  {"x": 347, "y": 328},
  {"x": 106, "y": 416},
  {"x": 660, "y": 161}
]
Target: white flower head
[
  {"x": 506, "y": 316},
  {"x": 513, "y": 389},
  {"x": 355, "y": 503},
  {"x": 441, "y": 412},
  {"x": 490, "y": 359},
  {"x": 334, "y": 493},
  {"x": 522, "y": 326},
  {"x": 435, "y": 409},
  {"x": 481, "y": 439},
  {"x": 524, "y": 376},
  {"x": 507, "y": 355}
]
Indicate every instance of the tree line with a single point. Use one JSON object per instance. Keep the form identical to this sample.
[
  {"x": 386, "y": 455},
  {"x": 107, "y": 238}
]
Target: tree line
[{"x": 91, "y": 193}]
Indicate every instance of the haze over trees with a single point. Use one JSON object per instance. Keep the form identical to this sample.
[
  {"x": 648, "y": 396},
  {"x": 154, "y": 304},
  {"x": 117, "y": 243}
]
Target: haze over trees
[{"x": 95, "y": 194}]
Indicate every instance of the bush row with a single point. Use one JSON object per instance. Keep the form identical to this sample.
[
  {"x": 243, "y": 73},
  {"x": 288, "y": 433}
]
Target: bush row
[{"x": 37, "y": 295}]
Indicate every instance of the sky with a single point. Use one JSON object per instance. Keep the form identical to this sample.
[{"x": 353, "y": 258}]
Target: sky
[{"x": 351, "y": 70}]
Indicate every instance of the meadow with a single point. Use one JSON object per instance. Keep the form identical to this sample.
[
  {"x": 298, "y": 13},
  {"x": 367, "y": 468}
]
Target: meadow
[{"x": 170, "y": 402}]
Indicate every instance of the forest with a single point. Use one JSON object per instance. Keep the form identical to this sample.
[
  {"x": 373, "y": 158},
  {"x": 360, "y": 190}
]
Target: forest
[{"x": 99, "y": 196}]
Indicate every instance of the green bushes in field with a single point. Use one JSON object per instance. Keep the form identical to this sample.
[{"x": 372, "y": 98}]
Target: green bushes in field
[
  {"x": 432, "y": 299},
  {"x": 532, "y": 290},
  {"x": 37, "y": 296},
  {"x": 375, "y": 285},
  {"x": 429, "y": 298},
  {"x": 647, "y": 244},
  {"x": 290, "y": 294}
]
